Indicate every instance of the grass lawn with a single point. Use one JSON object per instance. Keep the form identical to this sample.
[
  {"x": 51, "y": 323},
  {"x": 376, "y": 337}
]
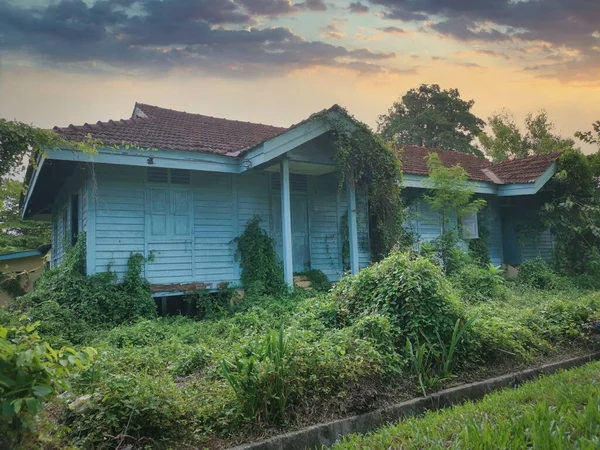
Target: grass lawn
[{"x": 560, "y": 411}]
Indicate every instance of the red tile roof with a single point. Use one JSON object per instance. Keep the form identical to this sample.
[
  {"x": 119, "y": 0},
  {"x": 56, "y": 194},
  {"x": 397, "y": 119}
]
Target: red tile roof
[
  {"x": 161, "y": 128},
  {"x": 524, "y": 170}
]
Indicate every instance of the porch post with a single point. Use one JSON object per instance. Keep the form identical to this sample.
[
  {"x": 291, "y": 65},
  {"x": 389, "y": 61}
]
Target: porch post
[
  {"x": 286, "y": 223},
  {"x": 352, "y": 226}
]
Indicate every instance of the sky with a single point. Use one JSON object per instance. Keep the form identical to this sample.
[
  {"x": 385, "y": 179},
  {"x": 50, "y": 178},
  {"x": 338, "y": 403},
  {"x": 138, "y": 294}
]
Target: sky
[{"x": 278, "y": 61}]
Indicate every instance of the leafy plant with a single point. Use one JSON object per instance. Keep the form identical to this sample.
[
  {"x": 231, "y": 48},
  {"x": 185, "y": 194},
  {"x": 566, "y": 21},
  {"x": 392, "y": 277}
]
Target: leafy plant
[
  {"x": 318, "y": 280},
  {"x": 258, "y": 259},
  {"x": 420, "y": 359},
  {"x": 452, "y": 197},
  {"x": 258, "y": 376},
  {"x": 447, "y": 354},
  {"x": 410, "y": 290},
  {"x": 536, "y": 273},
  {"x": 31, "y": 373},
  {"x": 364, "y": 160},
  {"x": 478, "y": 284},
  {"x": 98, "y": 300}
]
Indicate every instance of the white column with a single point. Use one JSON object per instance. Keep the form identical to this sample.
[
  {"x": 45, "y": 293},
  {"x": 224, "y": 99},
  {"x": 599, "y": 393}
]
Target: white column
[
  {"x": 352, "y": 227},
  {"x": 286, "y": 223}
]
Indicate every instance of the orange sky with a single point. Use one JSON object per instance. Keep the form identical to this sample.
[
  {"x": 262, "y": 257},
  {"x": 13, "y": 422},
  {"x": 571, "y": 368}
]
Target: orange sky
[{"x": 38, "y": 86}]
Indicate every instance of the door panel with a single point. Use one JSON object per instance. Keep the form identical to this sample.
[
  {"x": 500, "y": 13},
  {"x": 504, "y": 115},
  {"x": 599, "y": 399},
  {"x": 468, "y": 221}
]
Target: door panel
[{"x": 299, "y": 213}]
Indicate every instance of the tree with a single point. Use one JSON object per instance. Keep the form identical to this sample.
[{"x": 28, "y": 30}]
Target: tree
[
  {"x": 452, "y": 197},
  {"x": 431, "y": 117},
  {"x": 572, "y": 213},
  {"x": 507, "y": 141},
  {"x": 19, "y": 141},
  {"x": 588, "y": 136},
  {"x": 17, "y": 234}
]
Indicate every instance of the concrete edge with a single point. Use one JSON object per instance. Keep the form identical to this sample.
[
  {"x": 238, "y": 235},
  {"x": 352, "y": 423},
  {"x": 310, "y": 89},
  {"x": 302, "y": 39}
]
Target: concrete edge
[{"x": 330, "y": 432}]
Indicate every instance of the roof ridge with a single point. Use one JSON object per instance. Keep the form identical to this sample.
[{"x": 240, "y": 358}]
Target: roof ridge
[
  {"x": 141, "y": 105},
  {"x": 528, "y": 158}
]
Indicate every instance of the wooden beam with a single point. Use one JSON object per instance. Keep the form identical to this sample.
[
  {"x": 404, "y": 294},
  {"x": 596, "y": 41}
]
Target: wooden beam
[
  {"x": 352, "y": 227},
  {"x": 286, "y": 223}
]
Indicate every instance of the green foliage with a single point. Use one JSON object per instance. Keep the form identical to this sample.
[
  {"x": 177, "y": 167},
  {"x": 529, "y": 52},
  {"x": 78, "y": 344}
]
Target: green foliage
[
  {"x": 572, "y": 214},
  {"x": 508, "y": 142},
  {"x": 209, "y": 305},
  {"x": 18, "y": 140},
  {"x": 588, "y": 136},
  {"x": 318, "y": 280},
  {"x": 558, "y": 411},
  {"x": 261, "y": 268},
  {"x": 411, "y": 291},
  {"x": 258, "y": 374},
  {"x": 364, "y": 160},
  {"x": 479, "y": 249},
  {"x": 17, "y": 234},
  {"x": 31, "y": 373},
  {"x": 452, "y": 197},
  {"x": 132, "y": 409},
  {"x": 477, "y": 284},
  {"x": 536, "y": 274},
  {"x": 431, "y": 117},
  {"x": 95, "y": 300},
  {"x": 434, "y": 363}
]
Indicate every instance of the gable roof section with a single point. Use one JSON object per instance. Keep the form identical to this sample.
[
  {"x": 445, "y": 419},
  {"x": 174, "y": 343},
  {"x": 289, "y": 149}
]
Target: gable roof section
[
  {"x": 161, "y": 128},
  {"x": 514, "y": 171},
  {"x": 524, "y": 170}
]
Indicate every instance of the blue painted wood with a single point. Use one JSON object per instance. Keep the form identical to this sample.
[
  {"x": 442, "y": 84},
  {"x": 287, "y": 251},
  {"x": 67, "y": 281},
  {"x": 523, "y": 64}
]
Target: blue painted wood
[
  {"x": 352, "y": 227},
  {"x": 32, "y": 184},
  {"x": 286, "y": 224},
  {"x": 411, "y": 180}
]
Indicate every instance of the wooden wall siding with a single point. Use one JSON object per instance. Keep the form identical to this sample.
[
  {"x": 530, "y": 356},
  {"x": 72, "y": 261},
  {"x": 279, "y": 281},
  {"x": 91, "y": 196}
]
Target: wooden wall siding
[
  {"x": 541, "y": 245},
  {"x": 215, "y": 226},
  {"x": 120, "y": 217},
  {"x": 61, "y": 231},
  {"x": 325, "y": 242},
  {"x": 491, "y": 217}
]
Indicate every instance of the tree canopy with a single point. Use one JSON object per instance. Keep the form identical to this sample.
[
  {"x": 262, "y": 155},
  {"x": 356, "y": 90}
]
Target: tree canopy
[
  {"x": 19, "y": 140},
  {"x": 431, "y": 117},
  {"x": 507, "y": 141},
  {"x": 17, "y": 234}
]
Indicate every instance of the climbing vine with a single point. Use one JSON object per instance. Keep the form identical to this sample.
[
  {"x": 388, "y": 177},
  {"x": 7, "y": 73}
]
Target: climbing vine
[
  {"x": 363, "y": 159},
  {"x": 261, "y": 269}
]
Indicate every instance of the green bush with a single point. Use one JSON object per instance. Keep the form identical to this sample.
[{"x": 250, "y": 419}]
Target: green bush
[
  {"x": 411, "y": 291},
  {"x": 477, "y": 284},
  {"x": 31, "y": 373},
  {"x": 98, "y": 300},
  {"x": 258, "y": 259},
  {"x": 318, "y": 280},
  {"x": 535, "y": 273},
  {"x": 135, "y": 409}
]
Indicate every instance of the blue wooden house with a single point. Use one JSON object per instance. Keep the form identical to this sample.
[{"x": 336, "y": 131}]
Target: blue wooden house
[{"x": 182, "y": 186}]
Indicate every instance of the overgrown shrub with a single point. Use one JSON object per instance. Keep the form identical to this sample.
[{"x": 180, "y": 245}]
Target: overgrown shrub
[
  {"x": 258, "y": 259},
  {"x": 96, "y": 300},
  {"x": 477, "y": 284},
  {"x": 411, "y": 291},
  {"x": 210, "y": 305},
  {"x": 31, "y": 373},
  {"x": 318, "y": 280},
  {"x": 134, "y": 409},
  {"x": 535, "y": 273}
]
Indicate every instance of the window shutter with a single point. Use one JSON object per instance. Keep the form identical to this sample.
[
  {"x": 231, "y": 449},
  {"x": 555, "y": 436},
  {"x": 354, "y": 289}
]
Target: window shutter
[{"x": 470, "y": 226}]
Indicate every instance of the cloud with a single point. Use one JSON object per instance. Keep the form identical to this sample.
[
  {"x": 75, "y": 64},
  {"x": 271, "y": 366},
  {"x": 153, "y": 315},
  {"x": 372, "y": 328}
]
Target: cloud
[
  {"x": 392, "y": 30},
  {"x": 571, "y": 24},
  {"x": 217, "y": 37},
  {"x": 312, "y": 5},
  {"x": 466, "y": 30},
  {"x": 358, "y": 8}
]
